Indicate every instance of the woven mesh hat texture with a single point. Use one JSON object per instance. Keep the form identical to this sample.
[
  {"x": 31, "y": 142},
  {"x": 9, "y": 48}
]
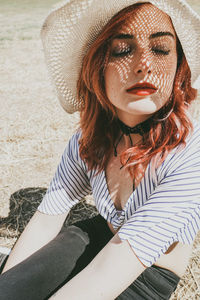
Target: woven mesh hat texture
[{"x": 69, "y": 30}]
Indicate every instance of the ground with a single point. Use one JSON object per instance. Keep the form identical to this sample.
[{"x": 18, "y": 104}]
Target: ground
[{"x": 34, "y": 129}]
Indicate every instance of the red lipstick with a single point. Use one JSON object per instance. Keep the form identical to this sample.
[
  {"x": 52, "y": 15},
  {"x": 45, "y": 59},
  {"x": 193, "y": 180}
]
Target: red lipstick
[{"x": 142, "y": 89}]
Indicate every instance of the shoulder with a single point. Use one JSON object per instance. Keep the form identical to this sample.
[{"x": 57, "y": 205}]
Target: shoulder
[
  {"x": 193, "y": 140},
  {"x": 75, "y": 137},
  {"x": 195, "y": 136},
  {"x": 72, "y": 153},
  {"x": 72, "y": 148},
  {"x": 183, "y": 156}
]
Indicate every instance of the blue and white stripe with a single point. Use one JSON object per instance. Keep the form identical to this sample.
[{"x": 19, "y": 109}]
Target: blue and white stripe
[{"x": 164, "y": 208}]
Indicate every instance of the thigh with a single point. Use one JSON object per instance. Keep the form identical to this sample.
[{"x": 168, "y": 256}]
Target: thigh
[
  {"x": 154, "y": 283},
  {"x": 41, "y": 274},
  {"x": 98, "y": 232},
  {"x": 99, "y": 235}
]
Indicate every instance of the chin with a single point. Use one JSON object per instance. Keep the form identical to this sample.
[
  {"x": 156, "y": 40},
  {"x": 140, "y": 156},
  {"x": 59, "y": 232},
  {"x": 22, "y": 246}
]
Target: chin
[
  {"x": 142, "y": 107},
  {"x": 143, "y": 113}
]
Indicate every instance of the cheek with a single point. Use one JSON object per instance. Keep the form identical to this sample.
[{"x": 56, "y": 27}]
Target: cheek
[
  {"x": 118, "y": 72},
  {"x": 165, "y": 76},
  {"x": 112, "y": 79}
]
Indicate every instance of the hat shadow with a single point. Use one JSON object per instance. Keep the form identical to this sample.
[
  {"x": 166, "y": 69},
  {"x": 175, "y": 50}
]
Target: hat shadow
[{"x": 23, "y": 205}]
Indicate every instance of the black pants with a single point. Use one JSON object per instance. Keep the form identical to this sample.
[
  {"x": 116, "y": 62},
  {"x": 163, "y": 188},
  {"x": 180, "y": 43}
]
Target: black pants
[{"x": 44, "y": 272}]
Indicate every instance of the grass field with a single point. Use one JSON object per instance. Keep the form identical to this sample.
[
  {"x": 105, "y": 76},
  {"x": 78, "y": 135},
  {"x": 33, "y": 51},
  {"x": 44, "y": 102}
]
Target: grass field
[{"x": 34, "y": 128}]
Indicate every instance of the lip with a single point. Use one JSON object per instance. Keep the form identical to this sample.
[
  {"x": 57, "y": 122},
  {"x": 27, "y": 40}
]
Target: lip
[{"x": 142, "y": 89}]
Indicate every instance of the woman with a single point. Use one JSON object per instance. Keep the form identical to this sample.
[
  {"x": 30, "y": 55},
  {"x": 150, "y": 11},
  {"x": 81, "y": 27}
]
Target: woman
[{"x": 137, "y": 151}]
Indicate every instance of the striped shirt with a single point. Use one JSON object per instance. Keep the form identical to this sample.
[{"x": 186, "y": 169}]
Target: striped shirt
[{"x": 163, "y": 209}]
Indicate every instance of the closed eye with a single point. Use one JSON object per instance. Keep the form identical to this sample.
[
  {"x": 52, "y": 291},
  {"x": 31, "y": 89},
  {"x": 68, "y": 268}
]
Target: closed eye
[
  {"x": 121, "y": 52},
  {"x": 161, "y": 51}
]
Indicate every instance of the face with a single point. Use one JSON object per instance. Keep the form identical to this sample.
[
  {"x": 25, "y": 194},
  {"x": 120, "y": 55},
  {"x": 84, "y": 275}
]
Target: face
[{"x": 142, "y": 65}]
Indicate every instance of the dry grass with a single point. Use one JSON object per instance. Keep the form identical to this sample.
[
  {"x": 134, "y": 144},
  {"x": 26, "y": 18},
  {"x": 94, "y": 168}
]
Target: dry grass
[
  {"x": 23, "y": 204},
  {"x": 34, "y": 129}
]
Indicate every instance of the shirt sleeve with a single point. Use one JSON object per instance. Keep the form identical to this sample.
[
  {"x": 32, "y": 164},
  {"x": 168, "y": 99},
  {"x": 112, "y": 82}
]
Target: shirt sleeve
[
  {"x": 70, "y": 183},
  {"x": 172, "y": 212}
]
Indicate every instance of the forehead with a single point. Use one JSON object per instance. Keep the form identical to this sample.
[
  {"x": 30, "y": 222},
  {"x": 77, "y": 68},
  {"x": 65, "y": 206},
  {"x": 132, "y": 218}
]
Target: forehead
[{"x": 148, "y": 18}]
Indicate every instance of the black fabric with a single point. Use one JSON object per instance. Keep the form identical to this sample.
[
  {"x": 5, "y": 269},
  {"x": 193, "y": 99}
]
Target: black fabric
[
  {"x": 140, "y": 128},
  {"x": 3, "y": 260},
  {"x": 154, "y": 283},
  {"x": 43, "y": 273},
  {"x": 38, "y": 275}
]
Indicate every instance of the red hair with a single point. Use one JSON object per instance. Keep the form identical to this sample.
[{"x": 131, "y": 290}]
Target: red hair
[{"x": 98, "y": 120}]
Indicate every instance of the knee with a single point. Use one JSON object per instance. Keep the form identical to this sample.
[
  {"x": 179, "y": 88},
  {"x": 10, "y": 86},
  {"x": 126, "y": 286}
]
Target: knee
[{"x": 73, "y": 233}]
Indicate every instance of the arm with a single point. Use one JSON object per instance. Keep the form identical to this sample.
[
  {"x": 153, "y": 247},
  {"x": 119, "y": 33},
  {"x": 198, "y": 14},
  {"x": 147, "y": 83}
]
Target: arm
[
  {"x": 40, "y": 230},
  {"x": 108, "y": 275},
  {"x": 69, "y": 185}
]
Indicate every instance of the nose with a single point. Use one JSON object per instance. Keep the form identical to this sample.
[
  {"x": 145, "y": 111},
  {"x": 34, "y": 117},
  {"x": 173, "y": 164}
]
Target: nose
[{"x": 143, "y": 64}]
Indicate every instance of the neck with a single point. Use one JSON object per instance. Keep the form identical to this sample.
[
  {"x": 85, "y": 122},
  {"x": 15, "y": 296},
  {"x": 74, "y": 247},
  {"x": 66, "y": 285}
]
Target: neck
[
  {"x": 131, "y": 135},
  {"x": 130, "y": 119},
  {"x": 140, "y": 128},
  {"x": 126, "y": 140}
]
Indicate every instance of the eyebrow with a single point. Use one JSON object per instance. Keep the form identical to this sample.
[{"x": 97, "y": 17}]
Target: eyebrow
[
  {"x": 127, "y": 36},
  {"x": 161, "y": 33},
  {"x": 122, "y": 36}
]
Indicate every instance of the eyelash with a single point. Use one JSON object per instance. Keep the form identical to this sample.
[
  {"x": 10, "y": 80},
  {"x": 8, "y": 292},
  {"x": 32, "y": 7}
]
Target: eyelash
[
  {"x": 122, "y": 53},
  {"x": 128, "y": 51},
  {"x": 161, "y": 52}
]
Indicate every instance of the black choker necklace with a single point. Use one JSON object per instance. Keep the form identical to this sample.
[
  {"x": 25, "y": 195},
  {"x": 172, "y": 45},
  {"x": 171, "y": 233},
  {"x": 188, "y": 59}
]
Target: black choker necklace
[{"x": 140, "y": 128}]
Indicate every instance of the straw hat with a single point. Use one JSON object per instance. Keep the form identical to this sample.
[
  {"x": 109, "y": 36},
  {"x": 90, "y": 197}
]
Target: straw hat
[{"x": 69, "y": 30}]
